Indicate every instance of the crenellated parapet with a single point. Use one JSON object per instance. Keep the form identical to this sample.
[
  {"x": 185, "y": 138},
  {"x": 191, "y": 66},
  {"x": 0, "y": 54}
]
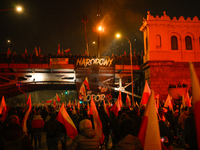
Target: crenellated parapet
[{"x": 165, "y": 17}]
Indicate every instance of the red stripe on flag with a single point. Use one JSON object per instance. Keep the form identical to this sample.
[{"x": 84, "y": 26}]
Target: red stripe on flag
[{"x": 64, "y": 118}]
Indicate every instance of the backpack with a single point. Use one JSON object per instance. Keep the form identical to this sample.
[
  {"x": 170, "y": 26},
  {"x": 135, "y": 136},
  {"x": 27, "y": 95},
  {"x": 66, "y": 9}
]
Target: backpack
[
  {"x": 14, "y": 145},
  {"x": 51, "y": 129}
]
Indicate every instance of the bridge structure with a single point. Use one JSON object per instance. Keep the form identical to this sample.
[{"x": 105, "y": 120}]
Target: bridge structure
[{"x": 61, "y": 74}]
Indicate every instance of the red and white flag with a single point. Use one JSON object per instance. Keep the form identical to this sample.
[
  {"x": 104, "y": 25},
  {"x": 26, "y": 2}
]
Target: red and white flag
[
  {"x": 57, "y": 97},
  {"x": 25, "y": 51},
  {"x": 54, "y": 103},
  {"x": 97, "y": 121},
  {"x": 3, "y": 109},
  {"x": 168, "y": 103},
  {"x": 128, "y": 101},
  {"x": 145, "y": 95},
  {"x": 78, "y": 105},
  {"x": 69, "y": 105},
  {"x": 196, "y": 100},
  {"x": 149, "y": 133},
  {"x": 86, "y": 83},
  {"x": 49, "y": 101},
  {"x": 64, "y": 118},
  {"x": 187, "y": 100},
  {"x": 106, "y": 108},
  {"x": 116, "y": 107},
  {"x": 67, "y": 50},
  {"x": 82, "y": 91},
  {"x": 26, "y": 115},
  {"x": 58, "y": 49},
  {"x": 39, "y": 50}
]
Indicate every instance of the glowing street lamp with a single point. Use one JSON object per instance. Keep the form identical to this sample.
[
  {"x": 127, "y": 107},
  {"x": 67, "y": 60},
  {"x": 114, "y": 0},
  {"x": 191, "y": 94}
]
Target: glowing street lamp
[
  {"x": 18, "y": 9},
  {"x": 118, "y": 36}
]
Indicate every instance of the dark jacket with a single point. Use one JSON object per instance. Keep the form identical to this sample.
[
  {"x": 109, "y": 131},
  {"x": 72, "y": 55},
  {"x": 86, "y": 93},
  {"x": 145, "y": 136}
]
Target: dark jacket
[
  {"x": 129, "y": 142},
  {"x": 86, "y": 140},
  {"x": 11, "y": 133},
  {"x": 190, "y": 132}
]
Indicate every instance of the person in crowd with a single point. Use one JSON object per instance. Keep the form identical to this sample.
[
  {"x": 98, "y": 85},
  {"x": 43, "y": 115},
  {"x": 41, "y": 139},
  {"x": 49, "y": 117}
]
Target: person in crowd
[
  {"x": 76, "y": 119},
  {"x": 104, "y": 120},
  {"x": 37, "y": 124},
  {"x": 53, "y": 133},
  {"x": 190, "y": 131},
  {"x": 86, "y": 139},
  {"x": 165, "y": 131},
  {"x": 181, "y": 122},
  {"x": 128, "y": 137},
  {"x": 14, "y": 133}
]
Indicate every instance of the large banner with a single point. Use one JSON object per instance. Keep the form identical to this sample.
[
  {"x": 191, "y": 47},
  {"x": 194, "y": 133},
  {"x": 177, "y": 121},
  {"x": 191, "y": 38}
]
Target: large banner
[{"x": 100, "y": 74}]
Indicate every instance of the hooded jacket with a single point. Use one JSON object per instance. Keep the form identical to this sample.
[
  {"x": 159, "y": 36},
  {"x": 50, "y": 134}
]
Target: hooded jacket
[{"x": 87, "y": 139}]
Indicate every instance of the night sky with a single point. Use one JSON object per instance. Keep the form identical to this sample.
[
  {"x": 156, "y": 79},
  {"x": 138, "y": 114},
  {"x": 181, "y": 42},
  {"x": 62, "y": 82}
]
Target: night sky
[{"x": 47, "y": 23}]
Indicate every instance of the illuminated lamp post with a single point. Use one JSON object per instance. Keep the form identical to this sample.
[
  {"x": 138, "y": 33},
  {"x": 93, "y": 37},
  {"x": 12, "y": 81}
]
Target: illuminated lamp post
[
  {"x": 118, "y": 36},
  {"x": 18, "y": 8},
  {"x": 100, "y": 29}
]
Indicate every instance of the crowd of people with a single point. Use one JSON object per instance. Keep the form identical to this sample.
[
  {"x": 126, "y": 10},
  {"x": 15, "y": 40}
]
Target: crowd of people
[
  {"x": 45, "y": 59},
  {"x": 176, "y": 126}
]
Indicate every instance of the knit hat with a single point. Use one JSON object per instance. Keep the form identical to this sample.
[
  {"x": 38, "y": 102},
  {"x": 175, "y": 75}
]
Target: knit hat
[
  {"x": 73, "y": 112},
  {"x": 84, "y": 124}
]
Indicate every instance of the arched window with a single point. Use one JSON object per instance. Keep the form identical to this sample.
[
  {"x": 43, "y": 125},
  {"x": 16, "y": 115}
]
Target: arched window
[
  {"x": 158, "y": 41},
  {"x": 146, "y": 44},
  {"x": 188, "y": 43},
  {"x": 174, "y": 43}
]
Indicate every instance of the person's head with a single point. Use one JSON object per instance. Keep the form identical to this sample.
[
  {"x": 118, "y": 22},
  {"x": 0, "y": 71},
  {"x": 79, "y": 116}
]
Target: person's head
[
  {"x": 85, "y": 124},
  {"x": 191, "y": 110},
  {"x": 124, "y": 116},
  {"x": 13, "y": 119},
  {"x": 73, "y": 112}
]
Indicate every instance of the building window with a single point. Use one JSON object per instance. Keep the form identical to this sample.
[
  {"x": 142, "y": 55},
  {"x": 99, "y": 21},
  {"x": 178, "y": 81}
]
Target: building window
[
  {"x": 158, "y": 41},
  {"x": 174, "y": 43},
  {"x": 188, "y": 43},
  {"x": 146, "y": 44}
]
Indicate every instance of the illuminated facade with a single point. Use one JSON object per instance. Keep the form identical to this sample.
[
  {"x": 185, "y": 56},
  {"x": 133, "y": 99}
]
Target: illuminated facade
[{"x": 168, "y": 46}]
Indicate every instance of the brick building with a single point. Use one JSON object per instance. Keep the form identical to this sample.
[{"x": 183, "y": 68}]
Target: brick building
[{"x": 169, "y": 44}]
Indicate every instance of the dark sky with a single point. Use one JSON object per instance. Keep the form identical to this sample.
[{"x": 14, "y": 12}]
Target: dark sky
[{"x": 47, "y": 23}]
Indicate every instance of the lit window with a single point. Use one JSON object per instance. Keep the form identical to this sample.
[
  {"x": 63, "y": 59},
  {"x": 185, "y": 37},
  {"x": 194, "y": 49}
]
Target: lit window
[
  {"x": 174, "y": 43},
  {"x": 188, "y": 43},
  {"x": 158, "y": 41}
]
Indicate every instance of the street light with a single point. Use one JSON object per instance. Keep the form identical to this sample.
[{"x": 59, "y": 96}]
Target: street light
[
  {"x": 118, "y": 36},
  {"x": 18, "y": 8}
]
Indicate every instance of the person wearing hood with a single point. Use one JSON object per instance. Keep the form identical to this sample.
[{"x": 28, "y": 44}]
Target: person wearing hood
[
  {"x": 86, "y": 139},
  {"x": 14, "y": 132},
  {"x": 37, "y": 124}
]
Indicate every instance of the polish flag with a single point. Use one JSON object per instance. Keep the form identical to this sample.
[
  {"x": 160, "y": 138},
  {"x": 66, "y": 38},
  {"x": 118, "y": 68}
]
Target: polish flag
[
  {"x": 183, "y": 101},
  {"x": 128, "y": 101},
  {"x": 116, "y": 107},
  {"x": 168, "y": 103},
  {"x": 149, "y": 133},
  {"x": 69, "y": 105},
  {"x": 67, "y": 50},
  {"x": 196, "y": 100},
  {"x": 3, "y": 109},
  {"x": 82, "y": 91},
  {"x": 97, "y": 121},
  {"x": 78, "y": 105},
  {"x": 146, "y": 94},
  {"x": 54, "y": 103},
  {"x": 36, "y": 52},
  {"x": 39, "y": 50},
  {"x": 64, "y": 118},
  {"x": 25, "y": 51},
  {"x": 49, "y": 101},
  {"x": 26, "y": 115},
  {"x": 120, "y": 99},
  {"x": 106, "y": 108},
  {"x": 58, "y": 98},
  {"x": 86, "y": 83},
  {"x": 187, "y": 100},
  {"x": 58, "y": 49}
]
